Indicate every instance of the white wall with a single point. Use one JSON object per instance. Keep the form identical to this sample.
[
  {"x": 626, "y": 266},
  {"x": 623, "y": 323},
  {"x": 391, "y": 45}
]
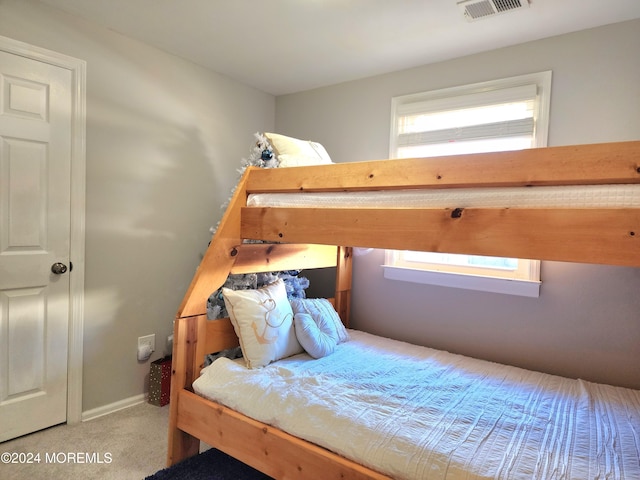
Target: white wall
[
  {"x": 586, "y": 322},
  {"x": 164, "y": 140}
]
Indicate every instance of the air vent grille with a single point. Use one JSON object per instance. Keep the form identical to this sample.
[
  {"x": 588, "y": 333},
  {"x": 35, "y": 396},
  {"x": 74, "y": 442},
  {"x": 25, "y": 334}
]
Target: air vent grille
[
  {"x": 477, "y": 9},
  {"x": 504, "y": 5}
]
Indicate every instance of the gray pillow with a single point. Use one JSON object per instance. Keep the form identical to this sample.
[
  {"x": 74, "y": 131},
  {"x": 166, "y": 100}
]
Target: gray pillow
[{"x": 314, "y": 336}]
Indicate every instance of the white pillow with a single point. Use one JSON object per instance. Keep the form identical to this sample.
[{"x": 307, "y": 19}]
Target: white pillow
[
  {"x": 293, "y": 152},
  {"x": 322, "y": 311},
  {"x": 315, "y": 338},
  {"x": 263, "y": 321}
]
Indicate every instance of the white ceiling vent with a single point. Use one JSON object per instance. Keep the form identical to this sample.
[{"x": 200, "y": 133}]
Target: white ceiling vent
[{"x": 477, "y": 9}]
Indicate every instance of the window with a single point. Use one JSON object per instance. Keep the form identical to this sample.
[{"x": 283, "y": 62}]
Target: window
[{"x": 508, "y": 114}]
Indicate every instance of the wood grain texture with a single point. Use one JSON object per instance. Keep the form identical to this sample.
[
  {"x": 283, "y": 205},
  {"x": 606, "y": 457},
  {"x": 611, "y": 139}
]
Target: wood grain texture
[
  {"x": 590, "y": 235},
  {"x": 605, "y": 163},
  {"x": 344, "y": 272},
  {"x": 265, "y": 448},
  {"x": 184, "y": 370},
  {"x": 254, "y": 257}
]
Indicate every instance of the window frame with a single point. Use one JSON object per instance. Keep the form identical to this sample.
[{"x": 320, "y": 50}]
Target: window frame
[{"x": 481, "y": 279}]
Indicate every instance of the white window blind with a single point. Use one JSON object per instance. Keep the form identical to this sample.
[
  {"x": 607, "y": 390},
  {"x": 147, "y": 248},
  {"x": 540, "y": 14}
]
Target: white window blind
[
  {"x": 508, "y": 114},
  {"x": 502, "y": 119}
]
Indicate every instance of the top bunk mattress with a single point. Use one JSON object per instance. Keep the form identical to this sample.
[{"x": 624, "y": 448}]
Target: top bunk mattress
[
  {"x": 582, "y": 196},
  {"x": 412, "y": 412}
]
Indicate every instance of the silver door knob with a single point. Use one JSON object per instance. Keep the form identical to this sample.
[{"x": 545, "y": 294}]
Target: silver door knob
[{"x": 59, "y": 268}]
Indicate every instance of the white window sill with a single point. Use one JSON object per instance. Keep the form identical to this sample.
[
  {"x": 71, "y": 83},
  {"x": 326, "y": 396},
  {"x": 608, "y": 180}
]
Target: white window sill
[{"x": 524, "y": 288}]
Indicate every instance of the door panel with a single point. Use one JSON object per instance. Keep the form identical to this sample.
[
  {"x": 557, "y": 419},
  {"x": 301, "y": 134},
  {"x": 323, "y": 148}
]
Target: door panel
[
  {"x": 25, "y": 341},
  {"x": 35, "y": 156}
]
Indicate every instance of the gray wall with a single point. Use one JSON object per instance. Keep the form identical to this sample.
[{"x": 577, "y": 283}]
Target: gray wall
[
  {"x": 586, "y": 322},
  {"x": 164, "y": 140}
]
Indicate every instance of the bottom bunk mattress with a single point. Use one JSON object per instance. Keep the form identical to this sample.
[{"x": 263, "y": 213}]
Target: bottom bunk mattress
[{"x": 417, "y": 413}]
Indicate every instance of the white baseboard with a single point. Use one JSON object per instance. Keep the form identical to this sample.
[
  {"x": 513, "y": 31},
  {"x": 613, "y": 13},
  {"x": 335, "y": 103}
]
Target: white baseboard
[{"x": 113, "y": 407}]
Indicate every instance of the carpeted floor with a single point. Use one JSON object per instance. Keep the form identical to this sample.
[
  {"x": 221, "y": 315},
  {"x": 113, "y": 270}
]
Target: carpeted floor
[
  {"x": 209, "y": 465},
  {"x": 129, "y": 444}
]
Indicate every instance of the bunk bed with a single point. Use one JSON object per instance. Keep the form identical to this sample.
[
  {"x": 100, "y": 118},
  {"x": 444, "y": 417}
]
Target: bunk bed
[{"x": 316, "y": 236}]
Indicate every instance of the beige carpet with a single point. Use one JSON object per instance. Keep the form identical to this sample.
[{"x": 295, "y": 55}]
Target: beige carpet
[{"x": 130, "y": 443}]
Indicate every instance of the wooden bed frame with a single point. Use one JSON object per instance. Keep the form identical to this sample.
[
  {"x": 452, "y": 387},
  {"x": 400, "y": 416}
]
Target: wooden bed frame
[{"x": 322, "y": 237}]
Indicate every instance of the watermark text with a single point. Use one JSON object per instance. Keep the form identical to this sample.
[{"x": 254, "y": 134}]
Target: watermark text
[{"x": 56, "y": 457}]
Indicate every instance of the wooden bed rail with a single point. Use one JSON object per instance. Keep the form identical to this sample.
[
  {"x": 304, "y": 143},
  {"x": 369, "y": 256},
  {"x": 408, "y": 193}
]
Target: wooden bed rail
[
  {"x": 268, "y": 449},
  {"x": 272, "y": 257},
  {"x": 604, "y": 163},
  {"x": 588, "y": 235}
]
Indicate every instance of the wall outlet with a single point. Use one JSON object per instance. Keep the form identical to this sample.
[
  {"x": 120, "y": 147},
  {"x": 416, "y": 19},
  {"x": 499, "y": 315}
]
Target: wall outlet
[
  {"x": 147, "y": 340},
  {"x": 146, "y": 346}
]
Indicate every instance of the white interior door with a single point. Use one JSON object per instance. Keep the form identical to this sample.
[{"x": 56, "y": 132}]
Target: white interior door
[{"x": 35, "y": 164}]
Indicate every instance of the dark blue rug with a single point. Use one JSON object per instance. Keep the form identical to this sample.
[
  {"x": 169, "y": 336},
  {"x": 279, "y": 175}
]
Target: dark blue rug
[{"x": 209, "y": 465}]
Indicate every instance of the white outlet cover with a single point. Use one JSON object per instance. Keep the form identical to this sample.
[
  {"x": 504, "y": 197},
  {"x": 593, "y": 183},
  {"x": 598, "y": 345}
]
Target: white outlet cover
[{"x": 148, "y": 340}]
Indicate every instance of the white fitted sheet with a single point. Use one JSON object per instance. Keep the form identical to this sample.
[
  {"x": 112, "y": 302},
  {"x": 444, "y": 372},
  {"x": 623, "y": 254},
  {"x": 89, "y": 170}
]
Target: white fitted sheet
[
  {"x": 583, "y": 196},
  {"x": 415, "y": 413}
]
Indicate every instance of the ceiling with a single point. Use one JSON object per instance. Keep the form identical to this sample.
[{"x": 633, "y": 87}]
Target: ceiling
[{"x": 286, "y": 46}]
